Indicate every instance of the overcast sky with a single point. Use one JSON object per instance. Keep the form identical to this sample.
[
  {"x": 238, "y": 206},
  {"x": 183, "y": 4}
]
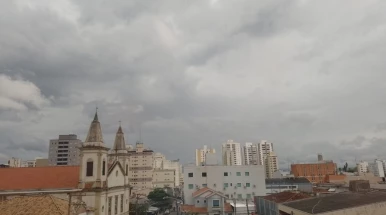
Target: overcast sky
[{"x": 309, "y": 76}]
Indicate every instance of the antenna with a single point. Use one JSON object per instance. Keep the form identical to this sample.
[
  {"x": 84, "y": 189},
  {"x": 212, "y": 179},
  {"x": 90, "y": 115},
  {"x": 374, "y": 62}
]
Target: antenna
[
  {"x": 120, "y": 123},
  {"x": 140, "y": 133}
]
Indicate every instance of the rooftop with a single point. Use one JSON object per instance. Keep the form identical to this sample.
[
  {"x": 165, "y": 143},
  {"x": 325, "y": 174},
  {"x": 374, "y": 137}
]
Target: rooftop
[
  {"x": 193, "y": 209},
  {"x": 39, "y": 178},
  {"x": 34, "y": 205},
  {"x": 286, "y": 197},
  {"x": 286, "y": 180},
  {"x": 337, "y": 201}
]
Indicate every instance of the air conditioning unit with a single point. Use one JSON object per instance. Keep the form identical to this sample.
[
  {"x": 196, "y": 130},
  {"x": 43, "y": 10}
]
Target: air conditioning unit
[
  {"x": 245, "y": 187},
  {"x": 235, "y": 187},
  {"x": 224, "y": 188},
  {"x": 254, "y": 186},
  {"x": 214, "y": 185}
]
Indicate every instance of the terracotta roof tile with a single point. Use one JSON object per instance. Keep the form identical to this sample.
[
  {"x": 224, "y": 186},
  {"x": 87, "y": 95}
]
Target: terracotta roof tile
[
  {"x": 33, "y": 178},
  {"x": 200, "y": 191},
  {"x": 34, "y": 205}
]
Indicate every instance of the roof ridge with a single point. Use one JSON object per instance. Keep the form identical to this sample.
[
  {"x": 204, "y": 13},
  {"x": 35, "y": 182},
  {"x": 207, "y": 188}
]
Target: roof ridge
[{"x": 56, "y": 206}]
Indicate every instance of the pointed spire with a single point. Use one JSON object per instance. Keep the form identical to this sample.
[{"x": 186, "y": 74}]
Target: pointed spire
[
  {"x": 119, "y": 143},
  {"x": 95, "y": 132}
]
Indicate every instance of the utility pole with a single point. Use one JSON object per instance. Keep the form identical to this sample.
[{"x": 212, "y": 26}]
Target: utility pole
[{"x": 246, "y": 202}]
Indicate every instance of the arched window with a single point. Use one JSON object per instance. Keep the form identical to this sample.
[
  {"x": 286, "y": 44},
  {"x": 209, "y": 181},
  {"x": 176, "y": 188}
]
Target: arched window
[
  {"x": 89, "y": 167},
  {"x": 127, "y": 169},
  {"x": 104, "y": 168},
  {"x": 116, "y": 173}
]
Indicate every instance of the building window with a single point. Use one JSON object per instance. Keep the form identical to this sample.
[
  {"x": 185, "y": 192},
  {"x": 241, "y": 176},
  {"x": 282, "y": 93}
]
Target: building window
[
  {"x": 190, "y": 174},
  {"x": 225, "y": 174},
  {"x": 90, "y": 168},
  {"x": 248, "y": 184},
  {"x": 239, "y": 196},
  {"x": 204, "y": 185},
  {"x": 248, "y": 196},
  {"x": 238, "y": 173},
  {"x": 116, "y": 173},
  {"x": 104, "y": 168},
  {"x": 127, "y": 169},
  {"x": 190, "y": 186},
  {"x": 246, "y": 173},
  {"x": 198, "y": 201},
  {"x": 225, "y": 185},
  {"x": 238, "y": 184},
  {"x": 216, "y": 203},
  {"x": 121, "y": 203},
  {"x": 109, "y": 206},
  {"x": 203, "y": 174},
  {"x": 116, "y": 205}
]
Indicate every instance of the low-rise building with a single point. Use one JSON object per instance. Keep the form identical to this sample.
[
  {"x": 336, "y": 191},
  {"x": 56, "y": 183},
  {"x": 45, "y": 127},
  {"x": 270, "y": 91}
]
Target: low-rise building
[
  {"x": 206, "y": 201},
  {"x": 268, "y": 205},
  {"x": 362, "y": 167},
  {"x": 236, "y": 182},
  {"x": 373, "y": 202},
  {"x": 277, "y": 185},
  {"x": 376, "y": 168},
  {"x": 15, "y": 162},
  {"x": 314, "y": 172}
]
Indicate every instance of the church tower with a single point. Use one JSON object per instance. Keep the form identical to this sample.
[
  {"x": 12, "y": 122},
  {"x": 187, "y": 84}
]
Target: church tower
[
  {"x": 119, "y": 152},
  {"x": 93, "y": 153}
]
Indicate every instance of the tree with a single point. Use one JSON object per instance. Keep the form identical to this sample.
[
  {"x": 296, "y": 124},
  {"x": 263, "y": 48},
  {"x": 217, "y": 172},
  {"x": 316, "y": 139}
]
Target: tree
[
  {"x": 160, "y": 198},
  {"x": 138, "y": 209}
]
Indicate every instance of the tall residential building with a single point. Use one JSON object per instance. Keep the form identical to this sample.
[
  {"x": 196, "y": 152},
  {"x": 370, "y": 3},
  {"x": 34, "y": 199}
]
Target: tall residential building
[
  {"x": 235, "y": 182},
  {"x": 271, "y": 164},
  {"x": 376, "y": 168},
  {"x": 231, "y": 153},
  {"x": 158, "y": 160},
  {"x": 64, "y": 151},
  {"x": 264, "y": 148},
  {"x": 141, "y": 169},
  {"x": 201, "y": 154},
  {"x": 161, "y": 163},
  {"x": 15, "y": 162},
  {"x": 362, "y": 167},
  {"x": 250, "y": 154},
  {"x": 164, "y": 178},
  {"x": 314, "y": 172},
  {"x": 320, "y": 157}
]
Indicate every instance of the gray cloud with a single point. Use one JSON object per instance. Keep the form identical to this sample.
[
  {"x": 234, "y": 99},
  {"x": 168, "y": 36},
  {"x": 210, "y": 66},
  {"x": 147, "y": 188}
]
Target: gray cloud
[{"x": 191, "y": 73}]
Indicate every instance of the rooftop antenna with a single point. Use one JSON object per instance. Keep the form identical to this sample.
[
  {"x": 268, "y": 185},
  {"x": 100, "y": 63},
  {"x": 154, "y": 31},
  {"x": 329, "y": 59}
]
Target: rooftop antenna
[
  {"x": 140, "y": 133},
  {"x": 120, "y": 123}
]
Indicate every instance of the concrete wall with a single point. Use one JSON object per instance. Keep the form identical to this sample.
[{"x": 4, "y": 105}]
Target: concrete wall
[{"x": 216, "y": 180}]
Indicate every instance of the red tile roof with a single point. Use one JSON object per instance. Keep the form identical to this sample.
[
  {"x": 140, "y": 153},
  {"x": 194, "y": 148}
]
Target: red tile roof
[
  {"x": 39, "y": 178},
  {"x": 200, "y": 191}
]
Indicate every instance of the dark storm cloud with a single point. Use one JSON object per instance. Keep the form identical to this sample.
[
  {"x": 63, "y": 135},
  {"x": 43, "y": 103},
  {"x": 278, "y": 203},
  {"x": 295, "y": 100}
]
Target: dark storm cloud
[{"x": 190, "y": 73}]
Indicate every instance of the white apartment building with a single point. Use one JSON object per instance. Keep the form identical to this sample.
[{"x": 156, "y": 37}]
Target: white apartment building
[
  {"x": 250, "y": 154},
  {"x": 231, "y": 153},
  {"x": 264, "y": 148},
  {"x": 158, "y": 160},
  {"x": 376, "y": 168},
  {"x": 161, "y": 163},
  {"x": 362, "y": 167},
  {"x": 163, "y": 178},
  {"x": 15, "y": 162},
  {"x": 201, "y": 154},
  {"x": 271, "y": 164},
  {"x": 235, "y": 182}
]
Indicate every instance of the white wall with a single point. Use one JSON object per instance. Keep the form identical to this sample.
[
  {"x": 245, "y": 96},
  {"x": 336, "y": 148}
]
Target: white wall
[{"x": 216, "y": 180}]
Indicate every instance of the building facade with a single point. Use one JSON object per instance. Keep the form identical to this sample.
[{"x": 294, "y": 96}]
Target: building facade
[
  {"x": 231, "y": 153},
  {"x": 271, "y": 164},
  {"x": 164, "y": 178},
  {"x": 314, "y": 172},
  {"x": 235, "y": 182},
  {"x": 15, "y": 162},
  {"x": 362, "y": 167},
  {"x": 201, "y": 154},
  {"x": 250, "y": 154},
  {"x": 377, "y": 168},
  {"x": 264, "y": 148},
  {"x": 141, "y": 168},
  {"x": 64, "y": 151}
]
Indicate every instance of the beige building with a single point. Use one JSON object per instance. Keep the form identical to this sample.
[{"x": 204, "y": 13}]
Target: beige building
[
  {"x": 231, "y": 153},
  {"x": 264, "y": 148},
  {"x": 163, "y": 178},
  {"x": 15, "y": 162},
  {"x": 271, "y": 164},
  {"x": 161, "y": 163},
  {"x": 201, "y": 154},
  {"x": 40, "y": 162},
  {"x": 141, "y": 169}
]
